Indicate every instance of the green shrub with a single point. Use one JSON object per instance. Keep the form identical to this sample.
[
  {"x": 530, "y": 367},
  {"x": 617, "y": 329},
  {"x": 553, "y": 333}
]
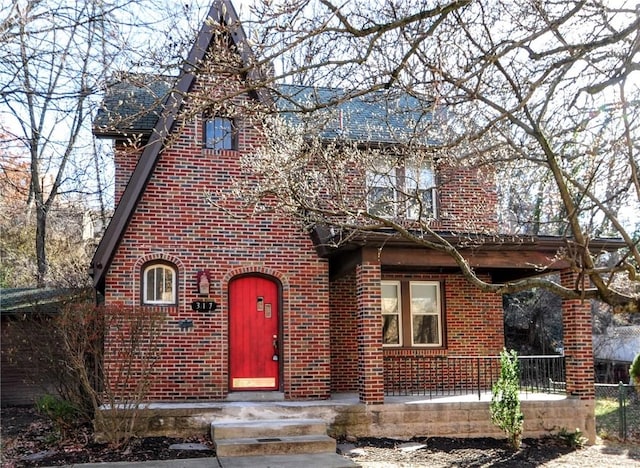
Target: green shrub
[
  {"x": 505, "y": 400},
  {"x": 575, "y": 439},
  {"x": 62, "y": 413}
]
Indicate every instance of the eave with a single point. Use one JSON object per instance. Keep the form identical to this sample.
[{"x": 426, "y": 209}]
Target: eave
[
  {"x": 34, "y": 301},
  {"x": 501, "y": 256}
]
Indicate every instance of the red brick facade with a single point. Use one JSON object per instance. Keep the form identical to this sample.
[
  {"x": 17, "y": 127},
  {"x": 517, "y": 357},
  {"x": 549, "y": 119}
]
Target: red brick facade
[
  {"x": 174, "y": 222},
  {"x": 330, "y": 330},
  {"x": 467, "y": 199},
  {"x": 473, "y": 322}
]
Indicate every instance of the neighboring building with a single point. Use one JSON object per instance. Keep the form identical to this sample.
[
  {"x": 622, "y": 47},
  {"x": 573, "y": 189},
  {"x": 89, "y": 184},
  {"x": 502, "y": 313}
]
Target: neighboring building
[
  {"x": 291, "y": 314},
  {"x": 25, "y": 314},
  {"x": 614, "y": 352}
]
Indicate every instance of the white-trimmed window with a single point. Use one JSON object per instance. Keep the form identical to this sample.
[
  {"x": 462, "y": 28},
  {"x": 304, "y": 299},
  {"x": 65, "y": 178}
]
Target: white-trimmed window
[
  {"x": 381, "y": 190},
  {"x": 402, "y": 190},
  {"x": 426, "y": 329},
  {"x": 391, "y": 313},
  {"x": 219, "y": 133},
  {"x": 419, "y": 183},
  {"x": 159, "y": 284},
  {"x": 411, "y": 314}
]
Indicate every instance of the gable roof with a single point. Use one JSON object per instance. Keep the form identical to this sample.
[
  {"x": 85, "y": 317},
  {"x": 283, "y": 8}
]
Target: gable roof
[
  {"x": 357, "y": 118},
  {"x": 221, "y": 11},
  {"x": 133, "y": 105}
]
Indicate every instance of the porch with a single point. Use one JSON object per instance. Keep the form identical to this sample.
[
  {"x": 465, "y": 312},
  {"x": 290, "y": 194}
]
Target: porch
[
  {"x": 456, "y": 405},
  {"x": 402, "y": 417}
]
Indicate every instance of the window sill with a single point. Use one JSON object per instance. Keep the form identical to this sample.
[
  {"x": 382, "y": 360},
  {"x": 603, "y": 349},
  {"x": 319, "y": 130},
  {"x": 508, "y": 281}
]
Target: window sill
[{"x": 414, "y": 349}]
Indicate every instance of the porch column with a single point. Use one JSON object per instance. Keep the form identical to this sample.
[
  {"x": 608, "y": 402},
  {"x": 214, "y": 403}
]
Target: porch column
[
  {"x": 369, "y": 321},
  {"x": 578, "y": 345},
  {"x": 578, "y": 349}
]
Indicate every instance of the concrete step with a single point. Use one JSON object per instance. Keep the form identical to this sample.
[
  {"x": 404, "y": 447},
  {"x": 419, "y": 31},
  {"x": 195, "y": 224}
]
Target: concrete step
[
  {"x": 284, "y": 445},
  {"x": 267, "y": 428},
  {"x": 318, "y": 460}
]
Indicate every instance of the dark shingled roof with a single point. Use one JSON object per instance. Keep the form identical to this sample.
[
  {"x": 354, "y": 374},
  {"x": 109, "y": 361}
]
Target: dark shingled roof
[
  {"x": 385, "y": 116},
  {"x": 132, "y": 105}
]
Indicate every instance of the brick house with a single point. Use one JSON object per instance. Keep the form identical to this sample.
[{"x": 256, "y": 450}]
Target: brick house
[{"x": 259, "y": 305}]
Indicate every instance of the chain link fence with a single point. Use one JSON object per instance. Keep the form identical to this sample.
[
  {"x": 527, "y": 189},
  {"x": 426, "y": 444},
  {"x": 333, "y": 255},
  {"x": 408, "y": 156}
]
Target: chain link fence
[{"x": 617, "y": 411}]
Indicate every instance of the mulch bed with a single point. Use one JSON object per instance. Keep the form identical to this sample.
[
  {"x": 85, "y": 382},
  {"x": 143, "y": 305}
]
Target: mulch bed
[{"x": 30, "y": 440}]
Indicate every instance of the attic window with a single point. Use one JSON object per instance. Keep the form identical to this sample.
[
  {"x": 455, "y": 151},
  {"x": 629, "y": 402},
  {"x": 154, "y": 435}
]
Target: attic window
[{"x": 220, "y": 133}]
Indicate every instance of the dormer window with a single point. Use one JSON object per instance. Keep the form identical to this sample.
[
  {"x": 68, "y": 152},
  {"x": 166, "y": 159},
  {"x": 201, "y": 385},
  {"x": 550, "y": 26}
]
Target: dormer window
[
  {"x": 402, "y": 190},
  {"x": 220, "y": 133}
]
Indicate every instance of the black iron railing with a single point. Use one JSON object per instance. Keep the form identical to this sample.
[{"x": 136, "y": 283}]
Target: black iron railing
[{"x": 434, "y": 376}]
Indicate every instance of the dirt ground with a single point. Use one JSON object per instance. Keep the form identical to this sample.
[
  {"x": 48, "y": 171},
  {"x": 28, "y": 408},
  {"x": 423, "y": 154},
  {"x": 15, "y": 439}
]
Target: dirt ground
[{"x": 29, "y": 440}]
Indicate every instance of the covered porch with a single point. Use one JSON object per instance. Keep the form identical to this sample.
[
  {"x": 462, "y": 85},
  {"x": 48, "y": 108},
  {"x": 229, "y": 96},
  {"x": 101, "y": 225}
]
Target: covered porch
[
  {"x": 460, "y": 368},
  {"x": 471, "y": 324}
]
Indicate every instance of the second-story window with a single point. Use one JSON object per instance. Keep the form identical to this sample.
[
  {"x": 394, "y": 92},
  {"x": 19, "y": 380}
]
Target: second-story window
[
  {"x": 402, "y": 190},
  {"x": 381, "y": 187},
  {"x": 419, "y": 183},
  {"x": 219, "y": 133}
]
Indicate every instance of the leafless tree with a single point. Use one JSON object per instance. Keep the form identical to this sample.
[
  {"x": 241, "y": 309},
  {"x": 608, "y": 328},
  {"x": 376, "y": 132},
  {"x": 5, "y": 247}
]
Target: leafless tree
[
  {"x": 542, "y": 94},
  {"x": 54, "y": 61}
]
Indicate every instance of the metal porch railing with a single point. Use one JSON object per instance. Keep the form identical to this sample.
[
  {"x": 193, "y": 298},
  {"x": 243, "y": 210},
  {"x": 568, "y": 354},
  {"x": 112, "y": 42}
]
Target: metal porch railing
[{"x": 434, "y": 376}]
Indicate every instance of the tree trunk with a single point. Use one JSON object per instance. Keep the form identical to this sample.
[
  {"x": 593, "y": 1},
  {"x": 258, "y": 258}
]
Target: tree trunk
[{"x": 41, "y": 254}]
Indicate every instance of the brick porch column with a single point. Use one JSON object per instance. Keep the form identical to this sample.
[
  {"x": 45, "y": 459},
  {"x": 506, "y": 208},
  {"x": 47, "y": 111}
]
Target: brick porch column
[
  {"x": 578, "y": 350},
  {"x": 578, "y": 345},
  {"x": 369, "y": 328}
]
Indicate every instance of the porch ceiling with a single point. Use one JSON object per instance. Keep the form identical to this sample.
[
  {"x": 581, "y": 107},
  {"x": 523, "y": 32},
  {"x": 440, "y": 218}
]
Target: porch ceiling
[{"x": 503, "y": 257}]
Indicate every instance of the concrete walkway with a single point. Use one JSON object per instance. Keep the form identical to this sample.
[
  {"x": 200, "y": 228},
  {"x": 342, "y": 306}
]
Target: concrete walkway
[{"x": 322, "y": 460}]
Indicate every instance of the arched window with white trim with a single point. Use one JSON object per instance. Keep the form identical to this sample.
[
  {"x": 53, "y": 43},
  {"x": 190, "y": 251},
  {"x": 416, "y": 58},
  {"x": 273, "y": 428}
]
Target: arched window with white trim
[{"x": 159, "y": 284}]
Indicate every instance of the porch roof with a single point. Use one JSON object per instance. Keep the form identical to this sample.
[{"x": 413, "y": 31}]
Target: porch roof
[
  {"x": 502, "y": 256},
  {"x": 34, "y": 300}
]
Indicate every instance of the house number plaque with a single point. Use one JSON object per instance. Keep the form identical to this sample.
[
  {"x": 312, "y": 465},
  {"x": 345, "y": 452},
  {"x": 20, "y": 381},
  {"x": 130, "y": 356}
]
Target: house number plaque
[{"x": 203, "y": 306}]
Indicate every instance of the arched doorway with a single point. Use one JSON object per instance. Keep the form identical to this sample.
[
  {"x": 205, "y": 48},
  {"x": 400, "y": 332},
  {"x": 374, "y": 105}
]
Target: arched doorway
[{"x": 254, "y": 342}]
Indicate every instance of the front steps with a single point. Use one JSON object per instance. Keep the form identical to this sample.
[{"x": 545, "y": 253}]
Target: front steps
[
  {"x": 280, "y": 438},
  {"x": 271, "y": 437}
]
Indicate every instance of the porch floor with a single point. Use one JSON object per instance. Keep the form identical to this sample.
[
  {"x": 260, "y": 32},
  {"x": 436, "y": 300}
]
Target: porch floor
[{"x": 337, "y": 399}]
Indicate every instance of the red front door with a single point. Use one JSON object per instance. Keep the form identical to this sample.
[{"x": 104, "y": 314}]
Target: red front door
[{"x": 253, "y": 334}]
